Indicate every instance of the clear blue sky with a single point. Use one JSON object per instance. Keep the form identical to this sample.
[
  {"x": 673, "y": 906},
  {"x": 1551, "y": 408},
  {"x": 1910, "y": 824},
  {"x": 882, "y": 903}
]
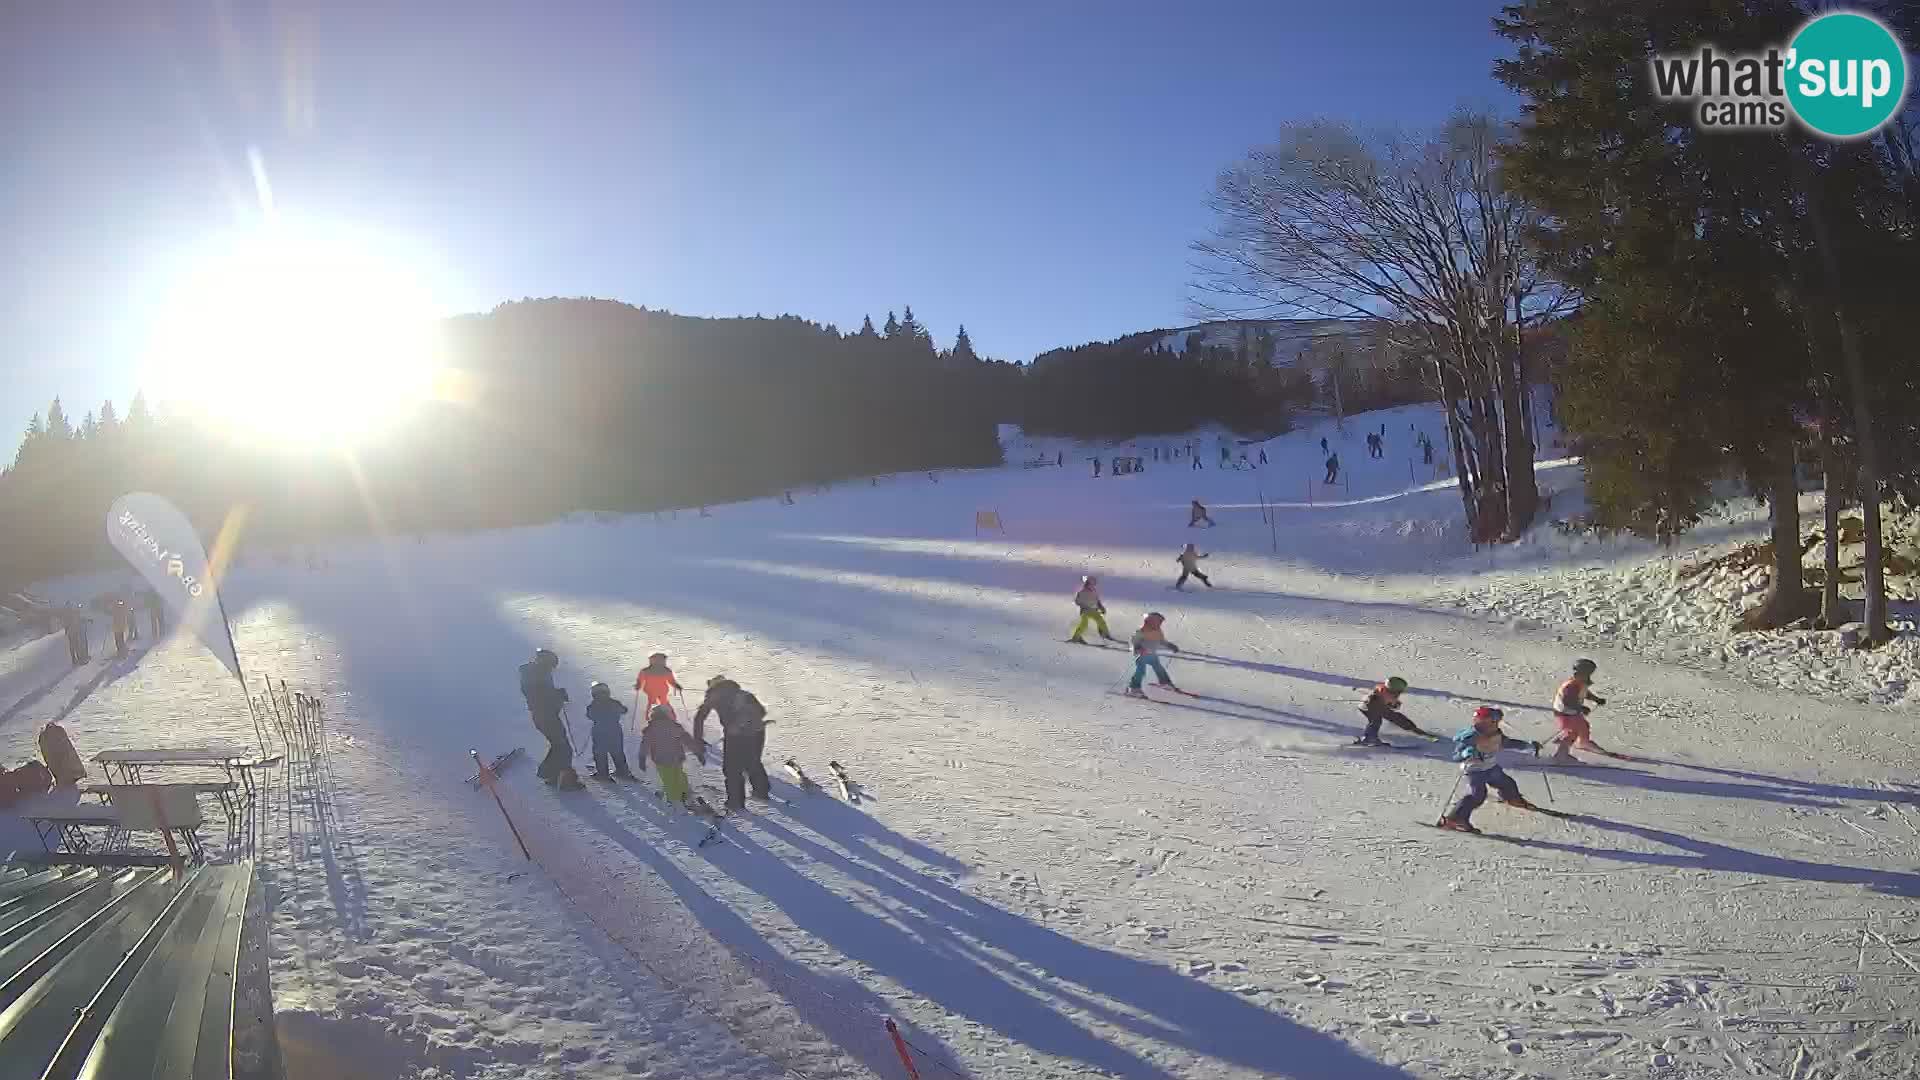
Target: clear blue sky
[{"x": 1032, "y": 169}]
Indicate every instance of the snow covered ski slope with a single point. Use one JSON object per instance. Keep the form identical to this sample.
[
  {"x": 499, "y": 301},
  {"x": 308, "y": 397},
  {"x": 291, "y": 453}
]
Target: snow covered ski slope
[{"x": 1044, "y": 879}]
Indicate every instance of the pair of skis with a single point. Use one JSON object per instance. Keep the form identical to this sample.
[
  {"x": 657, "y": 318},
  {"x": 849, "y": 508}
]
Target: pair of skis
[{"x": 849, "y": 790}]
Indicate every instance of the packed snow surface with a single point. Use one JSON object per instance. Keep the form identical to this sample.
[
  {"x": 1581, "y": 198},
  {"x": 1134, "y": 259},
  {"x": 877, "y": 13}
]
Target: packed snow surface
[{"x": 1049, "y": 880}]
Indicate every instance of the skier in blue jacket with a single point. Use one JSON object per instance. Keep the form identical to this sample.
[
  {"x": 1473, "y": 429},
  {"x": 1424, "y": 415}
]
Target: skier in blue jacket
[{"x": 1477, "y": 750}]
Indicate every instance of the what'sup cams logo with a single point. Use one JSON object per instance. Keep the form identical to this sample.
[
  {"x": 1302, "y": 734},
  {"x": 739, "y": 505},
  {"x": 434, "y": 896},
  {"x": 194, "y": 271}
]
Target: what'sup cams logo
[{"x": 1843, "y": 75}]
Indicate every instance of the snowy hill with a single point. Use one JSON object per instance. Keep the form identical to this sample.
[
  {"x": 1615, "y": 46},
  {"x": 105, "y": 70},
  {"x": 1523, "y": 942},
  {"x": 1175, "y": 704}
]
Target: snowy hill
[{"x": 1050, "y": 880}]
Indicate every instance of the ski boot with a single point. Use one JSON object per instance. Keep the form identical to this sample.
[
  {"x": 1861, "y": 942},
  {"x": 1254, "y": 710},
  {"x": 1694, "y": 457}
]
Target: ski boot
[
  {"x": 1454, "y": 824},
  {"x": 1134, "y": 691},
  {"x": 1076, "y": 640},
  {"x": 603, "y": 777},
  {"x": 1379, "y": 742},
  {"x": 1109, "y": 637},
  {"x": 1518, "y": 804}
]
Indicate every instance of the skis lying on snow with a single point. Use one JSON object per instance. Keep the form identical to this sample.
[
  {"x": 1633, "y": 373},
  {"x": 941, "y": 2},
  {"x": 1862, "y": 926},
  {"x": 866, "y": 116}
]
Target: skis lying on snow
[
  {"x": 496, "y": 766},
  {"x": 1561, "y": 814},
  {"x": 698, "y": 806},
  {"x": 849, "y": 790},
  {"x": 807, "y": 783}
]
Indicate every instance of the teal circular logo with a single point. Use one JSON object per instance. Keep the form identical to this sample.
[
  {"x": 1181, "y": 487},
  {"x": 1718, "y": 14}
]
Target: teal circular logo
[{"x": 1847, "y": 75}]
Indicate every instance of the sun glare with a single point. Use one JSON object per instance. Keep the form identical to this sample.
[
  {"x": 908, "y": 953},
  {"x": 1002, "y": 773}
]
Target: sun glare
[{"x": 309, "y": 339}]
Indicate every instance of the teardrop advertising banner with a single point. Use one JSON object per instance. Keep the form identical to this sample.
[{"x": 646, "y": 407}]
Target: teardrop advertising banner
[{"x": 153, "y": 535}]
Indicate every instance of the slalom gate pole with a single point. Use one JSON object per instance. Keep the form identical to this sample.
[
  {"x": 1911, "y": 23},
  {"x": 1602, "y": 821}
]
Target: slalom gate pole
[
  {"x": 900, "y": 1047},
  {"x": 1546, "y": 783},
  {"x": 486, "y": 781}
]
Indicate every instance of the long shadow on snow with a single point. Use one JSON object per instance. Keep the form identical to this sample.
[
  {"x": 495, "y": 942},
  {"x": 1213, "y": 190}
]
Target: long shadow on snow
[
  {"x": 1280, "y": 716},
  {"x": 1697, "y": 854},
  {"x": 1346, "y": 681},
  {"x": 1807, "y": 788},
  {"x": 737, "y": 935},
  {"x": 113, "y": 669},
  {"x": 946, "y": 950},
  {"x": 1786, "y": 793}
]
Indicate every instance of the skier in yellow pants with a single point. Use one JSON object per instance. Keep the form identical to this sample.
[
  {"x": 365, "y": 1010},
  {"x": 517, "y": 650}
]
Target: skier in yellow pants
[{"x": 1091, "y": 611}]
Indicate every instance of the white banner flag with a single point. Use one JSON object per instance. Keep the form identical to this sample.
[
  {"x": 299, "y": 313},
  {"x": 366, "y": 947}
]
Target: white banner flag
[{"x": 160, "y": 543}]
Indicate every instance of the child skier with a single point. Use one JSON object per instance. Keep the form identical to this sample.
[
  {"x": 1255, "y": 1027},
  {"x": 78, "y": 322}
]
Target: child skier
[
  {"x": 1384, "y": 704},
  {"x": 665, "y": 743},
  {"x": 1189, "y": 560},
  {"x": 1477, "y": 750},
  {"x": 655, "y": 680},
  {"x": 1197, "y": 515},
  {"x": 1570, "y": 715},
  {"x": 1147, "y": 643},
  {"x": 1091, "y": 611},
  {"x": 609, "y": 743}
]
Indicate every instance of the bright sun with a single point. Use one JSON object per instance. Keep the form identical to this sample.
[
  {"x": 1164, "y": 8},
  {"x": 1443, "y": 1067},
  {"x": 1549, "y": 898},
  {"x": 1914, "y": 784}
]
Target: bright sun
[{"x": 311, "y": 338}]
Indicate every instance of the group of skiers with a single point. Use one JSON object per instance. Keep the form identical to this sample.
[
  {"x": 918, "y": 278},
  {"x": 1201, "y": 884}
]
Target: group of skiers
[
  {"x": 1477, "y": 747},
  {"x": 742, "y": 719},
  {"x": 77, "y": 625}
]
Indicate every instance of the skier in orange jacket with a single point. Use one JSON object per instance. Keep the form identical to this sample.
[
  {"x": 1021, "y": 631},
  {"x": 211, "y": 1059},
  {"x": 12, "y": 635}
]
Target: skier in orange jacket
[{"x": 654, "y": 681}]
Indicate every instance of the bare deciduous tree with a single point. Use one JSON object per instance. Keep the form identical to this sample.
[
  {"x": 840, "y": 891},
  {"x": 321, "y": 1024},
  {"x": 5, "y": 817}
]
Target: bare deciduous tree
[{"x": 1417, "y": 238}]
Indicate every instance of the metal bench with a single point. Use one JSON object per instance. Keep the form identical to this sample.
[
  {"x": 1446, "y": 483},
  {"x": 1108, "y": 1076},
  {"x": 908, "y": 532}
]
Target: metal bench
[
  {"x": 133, "y": 972},
  {"x": 226, "y": 791}
]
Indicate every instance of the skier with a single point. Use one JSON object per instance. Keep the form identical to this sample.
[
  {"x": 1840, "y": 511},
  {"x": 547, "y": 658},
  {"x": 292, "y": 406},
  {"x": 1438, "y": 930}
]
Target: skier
[
  {"x": 1333, "y": 468},
  {"x": 1323, "y": 445},
  {"x": 1096, "y": 468},
  {"x": 1189, "y": 560},
  {"x": 655, "y": 680},
  {"x": 1477, "y": 750},
  {"x": 544, "y": 702},
  {"x": 1198, "y": 514},
  {"x": 156, "y": 611},
  {"x": 1091, "y": 611},
  {"x": 75, "y": 628},
  {"x": 1384, "y": 704},
  {"x": 1570, "y": 715},
  {"x": 1196, "y": 462},
  {"x": 609, "y": 743},
  {"x": 665, "y": 743},
  {"x": 122, "y": 619},
  {"x": 1147, "y": 643},
  {"x": 743, "y": 723},
  {"x": 1263, "y": 457}
]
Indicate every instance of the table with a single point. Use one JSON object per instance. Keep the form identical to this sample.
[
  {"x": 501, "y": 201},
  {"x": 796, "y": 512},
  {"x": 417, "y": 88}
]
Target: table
[
  {"x": 239, "y": 764},
  {"x": 67, "y": 823}
]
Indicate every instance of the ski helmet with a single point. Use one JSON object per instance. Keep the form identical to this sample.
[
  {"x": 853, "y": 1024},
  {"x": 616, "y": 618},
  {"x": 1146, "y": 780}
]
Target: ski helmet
[
  {"x": 1089, "y": 580},
  {"x": 1487, "y": 714},
  {"x": 1584, "y": 668},
  {"x": 657, "y": 656},
  {"x": 1396, "y": 684},
  {"x": 1154, "y": 618},
  {"x": 599, "y": 689},
  {"x": 662, "y": 711},
  {"x": 546, "y": 658}
]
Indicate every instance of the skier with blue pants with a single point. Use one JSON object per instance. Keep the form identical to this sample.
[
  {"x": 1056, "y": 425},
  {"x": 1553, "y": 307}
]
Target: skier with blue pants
[
  {"x": 1147, "y": 643},
  {"x": 1477, "y": 750}
]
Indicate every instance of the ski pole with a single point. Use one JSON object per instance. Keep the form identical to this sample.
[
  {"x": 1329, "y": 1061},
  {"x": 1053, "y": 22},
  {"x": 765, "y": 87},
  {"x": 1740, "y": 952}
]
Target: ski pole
[
  {"x": 1450, "y": 793},
  {"x": 1546, "y": 783}
]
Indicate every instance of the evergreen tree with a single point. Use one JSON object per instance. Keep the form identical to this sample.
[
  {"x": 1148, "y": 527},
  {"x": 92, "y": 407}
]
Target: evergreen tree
[
  {"x": 108, "y": 418},
  {"x": 89, "y": 427},
  {"x": 137, "y": 414},
  {"x": 893, "y": 327},
  {"x": 57, "y": 426},
  {"x": 866, "y": 328},
  {"x": 30, "y": 442},
  {"x": 963, "y": 353}
]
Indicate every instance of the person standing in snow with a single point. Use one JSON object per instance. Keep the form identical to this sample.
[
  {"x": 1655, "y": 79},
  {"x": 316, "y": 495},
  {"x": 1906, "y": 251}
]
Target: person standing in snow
[
  {"x": 665, "y": 743},
  {"x": 1091, "y": 611},
  {"x": 1148, "y": 642},
  {"x": 743, "y": 723},
  {"x": 1197, "y": 515},
  {"x": 1196, "y": 467},
  {"x": 1323, "y": 444},
  {"x": 75, "y": 628},
  {"x": 1570, "y": 715},
  {"x": 1384, "y": 704},
  {"x": 609, "y": 742},
  {"x": 1189, "y": 560},
  {"x": 1263, "y": 456},
  {"x": 1333, "y": 468},
  {"x": 122, "y": 621},
  {"x": 1477, "y": 750},
  {"x": 654, "y": 681},
  {"x": 544, "y": 702},
  {"x": 156, "y": 611}
]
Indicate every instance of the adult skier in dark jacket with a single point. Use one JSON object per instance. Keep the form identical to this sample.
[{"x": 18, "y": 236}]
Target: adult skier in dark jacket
[
  {"x": 743, "y": 720},
  {"x": 544, "y": 702}
]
